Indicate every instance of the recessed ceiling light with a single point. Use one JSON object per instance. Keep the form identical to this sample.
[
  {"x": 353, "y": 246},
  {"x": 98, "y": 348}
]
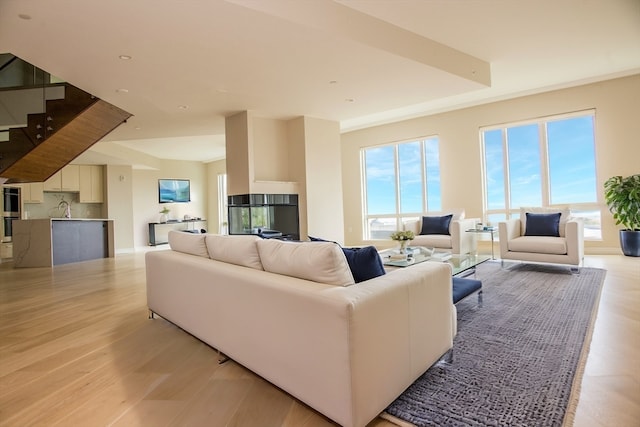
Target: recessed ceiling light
[
  {"x": 122, "y": 90},
  {"x": 183, "y": 107},
  {"x": 350, "y": 100},
  {"x": 125, "y": 57},
  {"x": 24, "y": 16},
  {"x": 332, "y": 82}
]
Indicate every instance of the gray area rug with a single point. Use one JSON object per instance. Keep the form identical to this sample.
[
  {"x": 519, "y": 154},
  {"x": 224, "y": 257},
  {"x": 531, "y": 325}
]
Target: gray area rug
[{"x": 516, "y": 357}]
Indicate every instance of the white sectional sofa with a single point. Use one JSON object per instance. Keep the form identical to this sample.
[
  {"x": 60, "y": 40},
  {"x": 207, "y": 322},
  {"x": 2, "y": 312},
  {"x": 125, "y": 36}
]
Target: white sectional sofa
[{"x": 290, "y": 312}]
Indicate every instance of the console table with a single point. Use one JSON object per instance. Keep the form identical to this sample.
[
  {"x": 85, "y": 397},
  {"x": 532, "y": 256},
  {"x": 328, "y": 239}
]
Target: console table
[{"x": 159, "y": 231}]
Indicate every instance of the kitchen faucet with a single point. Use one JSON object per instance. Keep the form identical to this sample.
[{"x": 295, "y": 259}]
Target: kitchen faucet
[{"x": 66, "y": 206}]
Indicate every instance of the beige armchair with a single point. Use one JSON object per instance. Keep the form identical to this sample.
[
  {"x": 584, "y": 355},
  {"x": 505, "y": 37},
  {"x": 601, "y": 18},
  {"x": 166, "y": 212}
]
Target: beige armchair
[
  {"x": 455, "y": 240},
  {"x": 536, "y": 245}
]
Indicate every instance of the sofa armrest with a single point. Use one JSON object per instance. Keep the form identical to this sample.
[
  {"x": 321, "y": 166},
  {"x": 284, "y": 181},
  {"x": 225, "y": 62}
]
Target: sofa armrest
[
  {"x": 574, "y": 235},
  {"x": 508, "y": 230},
  {"x": 461, "y": 241},
  {"x": 403, "y": 321}
]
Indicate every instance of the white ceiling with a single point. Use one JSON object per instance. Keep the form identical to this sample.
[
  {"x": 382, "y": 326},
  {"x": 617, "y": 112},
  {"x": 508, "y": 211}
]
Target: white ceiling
[{"x": 359, "y": 62}]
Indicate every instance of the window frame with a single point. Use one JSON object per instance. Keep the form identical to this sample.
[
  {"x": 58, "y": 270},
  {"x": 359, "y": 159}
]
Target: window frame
[
  {"x": 399, "y": 216},
  {"x": 514, "y": 212}
]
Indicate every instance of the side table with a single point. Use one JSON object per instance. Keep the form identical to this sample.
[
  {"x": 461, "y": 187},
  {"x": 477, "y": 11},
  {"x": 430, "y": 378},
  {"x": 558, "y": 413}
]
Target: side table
[{"x": 491, "y": 230}]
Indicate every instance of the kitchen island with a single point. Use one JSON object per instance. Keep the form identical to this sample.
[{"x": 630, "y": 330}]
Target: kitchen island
[{"x": 53, "y": 241}]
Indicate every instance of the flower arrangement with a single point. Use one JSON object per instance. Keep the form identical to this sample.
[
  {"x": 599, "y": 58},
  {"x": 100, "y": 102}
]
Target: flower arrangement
[
  {"x": 165, "y": 210},
  {"x": 403, "y": 235}
]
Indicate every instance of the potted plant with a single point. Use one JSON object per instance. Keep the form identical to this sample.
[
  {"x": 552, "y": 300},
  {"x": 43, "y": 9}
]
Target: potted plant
[
  {"x": 163, "y": 214},
  {"x": 622, "y": 195},
  {"x": 403, "y": 237}
]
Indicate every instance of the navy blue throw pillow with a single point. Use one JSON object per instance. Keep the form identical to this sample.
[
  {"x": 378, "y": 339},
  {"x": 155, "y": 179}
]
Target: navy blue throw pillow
[
  {"x": 543, "y": 224},
  {"x": 436, "y": 224},
  {"x": 365, "y": 263}
]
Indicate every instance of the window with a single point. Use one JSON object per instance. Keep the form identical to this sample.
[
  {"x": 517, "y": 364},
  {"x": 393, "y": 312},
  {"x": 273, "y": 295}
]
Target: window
[
  {"x": 546, "y": 162},
  {"x": 400, "y": 182}
]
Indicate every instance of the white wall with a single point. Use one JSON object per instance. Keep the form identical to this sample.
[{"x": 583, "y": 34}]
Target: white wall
[
  {"x": 323, "y": 180},
  {"x": 144, "y": 202},
  {"x": 617, "y": 106},
  {"x": 213, "y": 170},
  {"x": 119, "y": 186},
  {"x": 270, "y": 150}
]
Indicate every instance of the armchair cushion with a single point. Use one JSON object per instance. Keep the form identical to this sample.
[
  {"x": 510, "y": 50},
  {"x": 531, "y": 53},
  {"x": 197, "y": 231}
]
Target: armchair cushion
[
  {"x": 436, "y": 224},
  {"x": 433, "y": 241},
  {"x": 539, "y": 245},
  {"x": 542, "y": 224}
]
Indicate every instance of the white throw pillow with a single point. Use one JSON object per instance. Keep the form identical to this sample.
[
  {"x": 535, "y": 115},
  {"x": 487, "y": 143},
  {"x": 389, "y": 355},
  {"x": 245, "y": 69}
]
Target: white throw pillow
[
  {"x": 564, "y": 217},
  {"x": 238, "y": 250},
  {"x": 322, "y": 262},
  {"x": 188, "y": 243}
]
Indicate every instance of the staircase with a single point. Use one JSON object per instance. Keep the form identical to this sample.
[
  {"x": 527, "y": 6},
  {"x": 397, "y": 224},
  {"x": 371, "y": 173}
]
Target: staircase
[{"x": 50, "y": 140}]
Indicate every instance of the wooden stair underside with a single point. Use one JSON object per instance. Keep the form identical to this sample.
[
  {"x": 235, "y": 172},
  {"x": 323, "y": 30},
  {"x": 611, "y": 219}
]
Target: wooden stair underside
[{"x": 66, "y": 144}]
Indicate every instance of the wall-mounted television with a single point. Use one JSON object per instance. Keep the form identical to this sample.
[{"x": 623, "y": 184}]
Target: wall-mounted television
[{"x": 174, "y": 190}]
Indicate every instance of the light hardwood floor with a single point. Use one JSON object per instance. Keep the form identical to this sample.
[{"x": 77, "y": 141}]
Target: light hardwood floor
[{"x": 77, "y": 349}]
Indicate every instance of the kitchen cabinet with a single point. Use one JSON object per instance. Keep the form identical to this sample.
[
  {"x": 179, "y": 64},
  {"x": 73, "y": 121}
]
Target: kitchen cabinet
[
  {"x": 54, "y": 183},
  {"x": 33, "y": 192},
  {"x": 66, "y": 179},
  {"x": 6, "y": 250},
  {"x": 91, "y": 184}
]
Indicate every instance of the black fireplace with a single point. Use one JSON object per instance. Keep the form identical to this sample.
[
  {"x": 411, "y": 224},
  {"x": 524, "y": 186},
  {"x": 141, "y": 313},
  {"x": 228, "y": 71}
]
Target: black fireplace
[{"x": 266, "y": 215}]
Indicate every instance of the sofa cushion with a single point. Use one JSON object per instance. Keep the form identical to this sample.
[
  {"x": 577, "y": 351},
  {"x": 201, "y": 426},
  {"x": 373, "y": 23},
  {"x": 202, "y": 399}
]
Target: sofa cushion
[
  {"x": 239, "y": 250},
  {"x": 188, "y": 243},
  {"x": 564, "y": 217},
  {"x": 436, "y": 224},
  {"x": 538, "y": 244},
  {"x": 364, "y": 263},
  {"x": 322, "y": 262},
  {"x": 542, "y": 224}
]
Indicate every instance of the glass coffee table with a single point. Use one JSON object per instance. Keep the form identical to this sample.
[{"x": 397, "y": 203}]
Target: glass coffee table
[
  {"x": 465, "y": 265},
  {"x": 461, "y": 265}
]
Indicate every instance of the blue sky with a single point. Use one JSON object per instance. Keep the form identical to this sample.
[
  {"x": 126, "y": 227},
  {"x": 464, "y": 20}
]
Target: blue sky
[
  {"x": 571, "y": 168},
  {"x": 381, "y": 184},
  {"x": 571, "y": 158}
]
